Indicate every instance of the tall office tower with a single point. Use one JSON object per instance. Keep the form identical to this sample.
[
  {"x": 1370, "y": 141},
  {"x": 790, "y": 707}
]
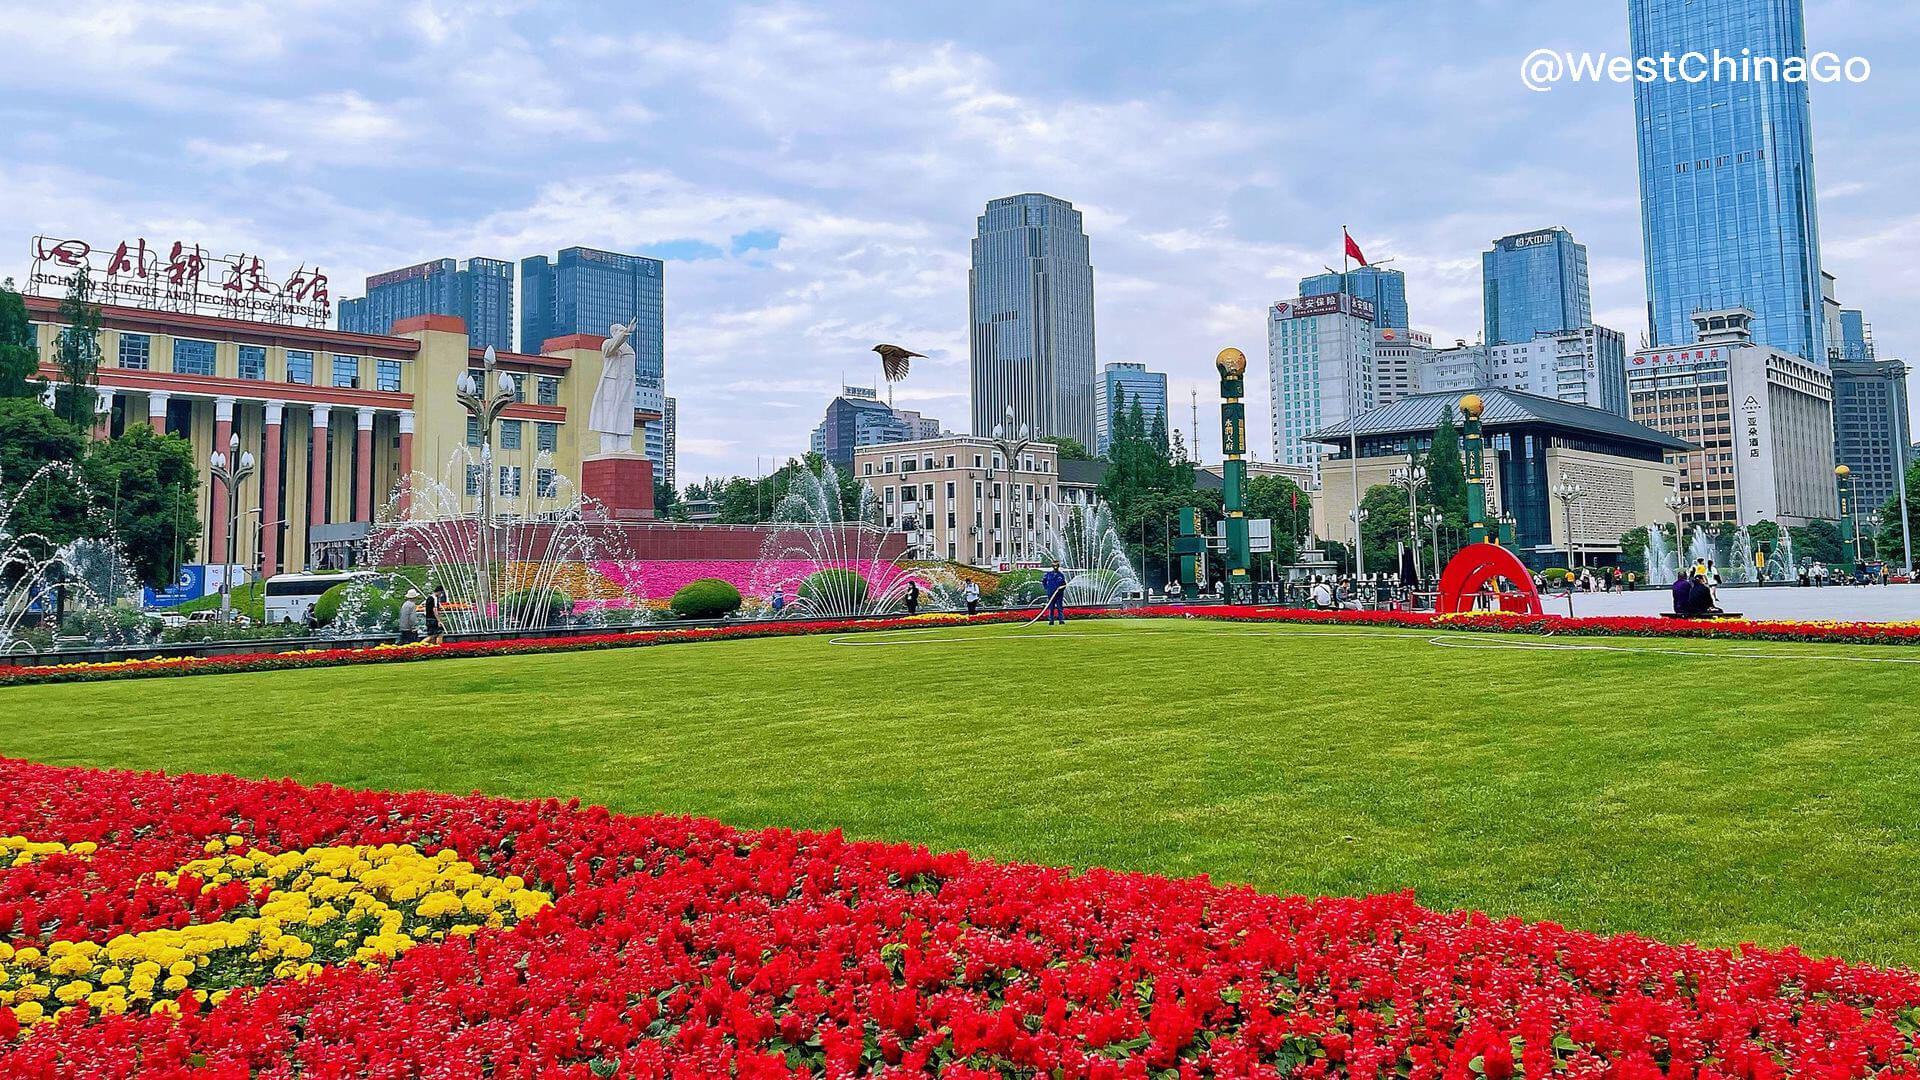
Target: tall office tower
[
  {"x": 585, "y": 291},
  {"x": 1727, "y": 205},
  {"x": 859, "y": 418},
  {"x": 1535, "y": 283},
  {"x": 1870, "y": 429},
  {"x": 1031, "y": 295},
  {"x": 1586, "y": 366},
  {"x": 1383, "y": 290},
  {"x": 477, "y": 291},
  {"x": 1320, "y": 370},
  {"x": 1398, "y": 355},
  {"x": 1136, "y": 383}
]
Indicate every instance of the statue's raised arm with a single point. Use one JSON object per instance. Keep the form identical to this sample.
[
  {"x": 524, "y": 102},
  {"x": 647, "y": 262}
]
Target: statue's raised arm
[{"x": 617, "y": 336}]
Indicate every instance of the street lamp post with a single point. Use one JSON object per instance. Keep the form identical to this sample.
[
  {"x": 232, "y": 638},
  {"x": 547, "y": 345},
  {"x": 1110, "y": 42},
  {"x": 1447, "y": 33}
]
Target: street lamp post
[
  {"x": 229, "y": 469},
  {"x": 1011, "y": 443},
  {"x": 1849, "y": 529},
  {"x": 1431, "y": 519},
  {"x": 1359, "y": 519},
  {"x": 484, "y": 399},
  {"x": 1410, "y": 478},
  {"x": 1569, "y": 491}
]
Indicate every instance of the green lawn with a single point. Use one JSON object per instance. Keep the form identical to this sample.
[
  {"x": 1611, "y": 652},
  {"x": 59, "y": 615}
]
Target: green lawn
[{"x": 1708, "y": 797}]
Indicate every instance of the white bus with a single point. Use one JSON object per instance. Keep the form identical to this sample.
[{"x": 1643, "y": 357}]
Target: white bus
[{"x": 290, "y": 596}]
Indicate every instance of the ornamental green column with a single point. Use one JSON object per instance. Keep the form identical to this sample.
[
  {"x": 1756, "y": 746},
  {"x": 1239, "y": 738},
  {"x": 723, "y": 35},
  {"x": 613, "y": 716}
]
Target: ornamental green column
[
  {"x": 1189, "y": 548},
  {"x": 1233, "y": 488},
  {"x": 1849, "y": 543},
  {"x": 1472, "y": 449}
]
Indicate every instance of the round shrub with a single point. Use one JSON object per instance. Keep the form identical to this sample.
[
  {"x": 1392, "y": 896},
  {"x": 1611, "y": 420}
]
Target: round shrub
[
  {"x": 839, "y": 591},
  {"x": 707, "y": 598},
  {"x": 1556, "y": 575},
  {"x": 1021, "y": 586}
]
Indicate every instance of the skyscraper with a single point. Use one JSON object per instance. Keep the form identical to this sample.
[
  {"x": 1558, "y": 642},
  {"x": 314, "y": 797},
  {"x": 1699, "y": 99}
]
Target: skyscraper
[
  {"x": 1031, "y": 294},
  {"x": 859, "y": 418},
  {"x": 1149, "y": 388},
  {"x": 585, "y": 291},
  {"x": 1870, "y": 429},
  {"x": 1535, "y": 283},
  {"x": 1385, "y": 290},
  {"x": 1726, "y": 176},
  {"x": 478, "y": 291},
  {"x": 1320, "y": 370}
]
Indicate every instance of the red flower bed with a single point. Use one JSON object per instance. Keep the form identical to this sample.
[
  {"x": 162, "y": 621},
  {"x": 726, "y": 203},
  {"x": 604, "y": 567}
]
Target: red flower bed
[
  {"x": 1847, "y": 633},
  {"x": 682, "y": 948}
]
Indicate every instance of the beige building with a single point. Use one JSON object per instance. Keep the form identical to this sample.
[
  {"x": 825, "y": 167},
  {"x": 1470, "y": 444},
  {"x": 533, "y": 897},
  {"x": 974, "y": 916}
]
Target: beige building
[
  {"x": 958, "y": 499},
  {"x": 334, "y": 420},
  {"x": 1533, "y": 444}
]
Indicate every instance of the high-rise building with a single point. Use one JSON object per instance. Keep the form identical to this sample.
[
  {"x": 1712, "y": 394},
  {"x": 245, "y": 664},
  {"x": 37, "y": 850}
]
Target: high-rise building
[
  {"x": 476, "y": 291},
  {"x": 1761, "y": 421},
  {"x": 1454, "y": 370},
  {"x": 1320, "y": 369},
  {"x": 1384, "y": 290},
  {"x": 670, "y": 422},
  {"x": 1031, "y": 296},
  {"x": 1136, "y": 384},
  {"x": 1398, "y": 354},
  {"x": 1586, "y": 366},
  {"x": 1534, "y": 283},
  {"x": 1870, "y": 429},
  {"x": 1727, "y": 204},
  {"x": 585, "y": 291},
  {"x": 859, "y": 418},
  {"x": 1856, "y": 338}
]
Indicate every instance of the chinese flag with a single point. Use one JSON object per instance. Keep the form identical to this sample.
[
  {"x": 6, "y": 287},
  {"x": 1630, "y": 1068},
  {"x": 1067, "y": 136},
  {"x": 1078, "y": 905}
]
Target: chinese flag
[{"x": 1353, "y": 249}]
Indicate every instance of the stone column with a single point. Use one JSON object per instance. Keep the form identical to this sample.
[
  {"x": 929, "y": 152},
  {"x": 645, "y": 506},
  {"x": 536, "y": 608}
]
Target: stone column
[
  {"x": 157, "y": 411},
  {"x": 406, "y": 463},
  {"x": 317, "y": 482},
  {"x": 217, "y": 528},
  {"x": 270, "y": 493},
  {"x": 103, "y": 427},
  {"x": 363, "y": 472}
]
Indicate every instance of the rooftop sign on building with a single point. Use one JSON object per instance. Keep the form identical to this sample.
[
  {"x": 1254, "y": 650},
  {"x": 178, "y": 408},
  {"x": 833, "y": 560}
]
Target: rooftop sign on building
[
  {"x": 1307, "y": 307},
  {"x": 182, "y": 277}
]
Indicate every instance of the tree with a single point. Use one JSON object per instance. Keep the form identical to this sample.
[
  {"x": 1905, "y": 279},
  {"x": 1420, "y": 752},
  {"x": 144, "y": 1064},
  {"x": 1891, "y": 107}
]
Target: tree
[
  {"x": 37, "y": 450},
  {"x": 1288, "y": 506},
  {"x": 1070, "y": 449},
  {"x": 1818, "y": 541},
  {"x": 77, "y": 354},
  {"x": 1888, "y": 519},
  {"x": 143, "y": 486},
  {"x": 19, "y": 354},
  {"x": 1446, "y": 472},
  {"x": 1385, "y": 527},
  {"x": 1633, "y": 546}
]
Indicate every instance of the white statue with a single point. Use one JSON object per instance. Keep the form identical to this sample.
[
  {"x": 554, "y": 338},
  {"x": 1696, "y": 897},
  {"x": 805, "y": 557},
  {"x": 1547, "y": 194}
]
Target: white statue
[{"x": 612, "y": 412}]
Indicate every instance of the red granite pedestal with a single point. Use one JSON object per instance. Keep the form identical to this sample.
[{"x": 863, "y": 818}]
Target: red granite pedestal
[{"x": 621, "y": 483}]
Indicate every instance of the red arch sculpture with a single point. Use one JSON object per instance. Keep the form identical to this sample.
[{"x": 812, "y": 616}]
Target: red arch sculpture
[{"x": 1477, "y": 564}]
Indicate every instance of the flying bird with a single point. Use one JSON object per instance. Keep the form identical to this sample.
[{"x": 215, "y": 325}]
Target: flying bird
[{"x": 893, "y": 360}]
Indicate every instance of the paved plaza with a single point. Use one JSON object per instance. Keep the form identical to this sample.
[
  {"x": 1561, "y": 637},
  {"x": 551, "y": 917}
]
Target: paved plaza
[{"x": 1867, "y": 603}]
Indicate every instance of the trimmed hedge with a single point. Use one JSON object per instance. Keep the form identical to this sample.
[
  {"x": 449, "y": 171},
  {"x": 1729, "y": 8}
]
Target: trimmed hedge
[
  {"x": 550, "y": 604},
  {"x": 707, "y": 598},
  {"x": 833, "y": 588}
]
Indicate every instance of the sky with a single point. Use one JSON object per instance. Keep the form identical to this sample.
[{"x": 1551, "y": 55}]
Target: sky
[{"x": 812, "y": 172}]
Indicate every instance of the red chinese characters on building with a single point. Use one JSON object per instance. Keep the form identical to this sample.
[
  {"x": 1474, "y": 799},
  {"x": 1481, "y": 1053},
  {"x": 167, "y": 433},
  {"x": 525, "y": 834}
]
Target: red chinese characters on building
[
  {"x": 65, "y": 252},
  {"x": 306, "y": 287},
  {"x": 246, "y": 275},
  {"x": 186, "y": 265},
  {"x": 129, "y": 260}
]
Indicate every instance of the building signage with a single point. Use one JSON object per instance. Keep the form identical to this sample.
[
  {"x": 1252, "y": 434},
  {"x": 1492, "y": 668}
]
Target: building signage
[
  {"x": 1677, "y": 356},
  {"x": 1539, "y": 239},
  {"x": 1330, "y": 303},
  {"x": 183, "y": 277},
  {"x": 1752, "y": 408}
]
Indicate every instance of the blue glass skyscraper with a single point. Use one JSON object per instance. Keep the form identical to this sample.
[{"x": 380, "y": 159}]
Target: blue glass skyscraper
[
  {"x": 478, "y": 291},
  {"x": 1031, "y": 339},
  {"x": 584, "y": 291},
  {"x": 1534, "y": 283},
  {"x": 1385, "y": 289},
  {"x": 1726, "y": 176},
  {"x": 1149, "y": 388}
]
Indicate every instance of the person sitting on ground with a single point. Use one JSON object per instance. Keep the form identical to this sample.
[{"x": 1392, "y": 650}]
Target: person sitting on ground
[{"x": 1700, "y": 598}]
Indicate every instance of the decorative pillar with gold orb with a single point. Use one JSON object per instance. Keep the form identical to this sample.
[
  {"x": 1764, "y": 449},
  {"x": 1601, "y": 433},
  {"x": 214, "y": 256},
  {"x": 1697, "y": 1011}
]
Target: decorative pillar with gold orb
[
  {"x": 1238, "y": 588},
  {"x": 1471, "y": 449},
  {"x": 1849, "y": 542}
]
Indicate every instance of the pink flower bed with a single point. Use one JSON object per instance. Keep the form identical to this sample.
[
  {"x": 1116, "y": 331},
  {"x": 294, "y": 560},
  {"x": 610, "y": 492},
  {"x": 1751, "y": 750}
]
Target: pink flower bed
[{"x": 658, "y": 579}]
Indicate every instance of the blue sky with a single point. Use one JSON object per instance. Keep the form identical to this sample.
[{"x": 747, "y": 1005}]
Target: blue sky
[{"x": 813, "y": 171}]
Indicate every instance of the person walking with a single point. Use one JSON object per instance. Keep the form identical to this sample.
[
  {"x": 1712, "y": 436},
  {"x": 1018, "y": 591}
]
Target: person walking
[
  {"x": 1054, "y": 584},
  {"x": 913, "y": 598},
  {"x": 971, "y": 594},
  {"x": 409, "y": 609},
  {"x": 436, "y": 626}
]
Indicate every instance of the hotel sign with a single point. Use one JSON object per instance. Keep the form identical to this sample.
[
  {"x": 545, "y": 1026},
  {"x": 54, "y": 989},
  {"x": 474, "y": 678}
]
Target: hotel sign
[
  {"x": 182, "y": 277},
  {"x": 1678, "y": 356}
]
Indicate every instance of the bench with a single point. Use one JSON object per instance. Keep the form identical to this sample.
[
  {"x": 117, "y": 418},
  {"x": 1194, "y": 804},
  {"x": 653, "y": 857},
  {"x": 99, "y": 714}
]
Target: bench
[{"x": 1703, "y": 615}]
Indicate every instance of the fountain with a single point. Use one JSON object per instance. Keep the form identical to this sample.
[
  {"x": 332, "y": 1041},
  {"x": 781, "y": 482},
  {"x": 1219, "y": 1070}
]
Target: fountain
[
  {"x": 1788, "y": 569},
  {"x": 1090, "y": 553},
  {"x": 826, "y": 552},
  {"x": 534, "y": 555},
  {"x": 1662, "y": 562},
  {"x": 1700, "y": 549},
  {"x": 1740, "y": 567}
]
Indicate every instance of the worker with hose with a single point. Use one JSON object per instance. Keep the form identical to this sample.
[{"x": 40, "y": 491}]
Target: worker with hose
[{"x": 1054, "y": 584}]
